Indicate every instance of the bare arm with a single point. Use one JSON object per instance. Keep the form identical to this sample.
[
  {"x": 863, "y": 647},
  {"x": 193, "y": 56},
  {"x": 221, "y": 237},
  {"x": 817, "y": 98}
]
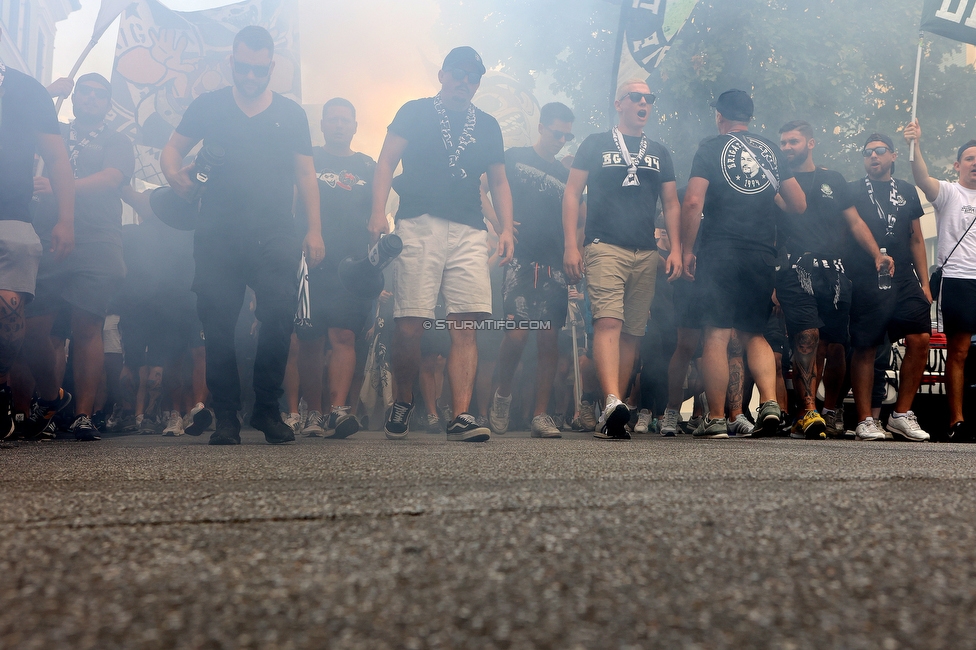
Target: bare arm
[
  {"x": 487, "y": 207},
  {"x": 691, "y": 212},
  {"x": 308, "y": 190},
  {"x": 794, "y": 200},
  {"x": 919, "y": 257},
  {"x": 572, "y": 259},
  {"x": 672, "y": 218},
  {"x": 864, "y": 238},
  {"x": 171, "y": 162},
  {"x": 55, "y": 158},
  {"x": 390, "y": 155},
  {"x": 928, "y": 185},
  {"x": 501, "y": 198}
]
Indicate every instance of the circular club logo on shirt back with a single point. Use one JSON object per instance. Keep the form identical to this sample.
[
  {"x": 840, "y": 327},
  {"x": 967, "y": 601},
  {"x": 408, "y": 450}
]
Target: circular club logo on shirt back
[{"x": 741, "y": 169}]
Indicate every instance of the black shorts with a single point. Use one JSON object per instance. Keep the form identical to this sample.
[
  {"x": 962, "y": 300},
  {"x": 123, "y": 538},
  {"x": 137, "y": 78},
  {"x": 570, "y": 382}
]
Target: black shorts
[
  {"x": 88, "y": 279},
  {"x": 156, "y": 334},
  {"x": 958, "y": 303},
  {"x": 531, "y": 291},
  {"x": 775, "y": 334},
  {"x": 897, "y": 312},
  {"x": 815, "y": 294},
  {"x": 687, "y": 306},
  {"x": 333, "y": 306},
  {"x": 736, "y": 289}
]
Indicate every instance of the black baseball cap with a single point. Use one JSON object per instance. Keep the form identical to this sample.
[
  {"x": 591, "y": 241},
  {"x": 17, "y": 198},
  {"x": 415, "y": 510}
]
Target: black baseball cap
[
  {"x": 734, "y": 105},
  {"x": 96, "y": 78},
  {"x": 465, "y": 58},
  {"x": 880, "y": 137}
]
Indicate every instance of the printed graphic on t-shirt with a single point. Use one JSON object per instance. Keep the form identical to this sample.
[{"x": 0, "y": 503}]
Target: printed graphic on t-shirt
[
  {"x": 827, "y": 191},
  {"x": 741, "y": 169},
  {"x": 343, "y": 180},
  {"x": 615, "y": 159}
]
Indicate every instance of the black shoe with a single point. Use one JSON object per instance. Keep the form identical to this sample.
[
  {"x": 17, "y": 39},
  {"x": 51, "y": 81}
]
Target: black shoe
[
  {"x": 228, "y": 431},
  {"x": 200, "y": 422},
  {"x": 275, "y": 431},
  {"x": 42, "y": 413},
  {"x": 342, "y": 423},
  {"x": 398, "y": 423},
  {"x": 464, "y": 428},
  {"x": 6, "y": 415},
  {"x": 959, "y": 432},
  {"x": 83, "y": 429}
]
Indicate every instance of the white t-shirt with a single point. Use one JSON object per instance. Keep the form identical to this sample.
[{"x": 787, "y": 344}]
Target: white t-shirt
[{"x": 955, "y": 210}]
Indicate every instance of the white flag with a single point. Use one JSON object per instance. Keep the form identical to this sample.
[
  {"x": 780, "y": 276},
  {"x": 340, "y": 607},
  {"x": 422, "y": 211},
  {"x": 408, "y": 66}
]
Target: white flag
[{"x": 107, "y": 13}]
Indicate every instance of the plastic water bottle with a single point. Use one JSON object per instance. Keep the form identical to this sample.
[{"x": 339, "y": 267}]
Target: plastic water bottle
[{"x": 884, "y": 275}]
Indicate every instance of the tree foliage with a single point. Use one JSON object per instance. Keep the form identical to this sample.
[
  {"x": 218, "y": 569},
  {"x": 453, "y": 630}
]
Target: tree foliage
[{"x": 846, "y": 66}]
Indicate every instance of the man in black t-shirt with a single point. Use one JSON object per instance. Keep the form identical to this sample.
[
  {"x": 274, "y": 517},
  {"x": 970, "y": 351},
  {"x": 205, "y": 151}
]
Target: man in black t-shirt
[
  {"x": 445, "y": 144},
  {"x": 86, "y": 281},
  {"x": 246, "y": 230},
  {"x": 891, "y": 209},
  {"x": 28, "y": 124},
  {"x": 812, "y": 286},
  {"x": 735, "y": 178},
  {"x": 534, "y": 287},
  {"x": 625, "y": 175},
  {"x": 345, "y": 180}
]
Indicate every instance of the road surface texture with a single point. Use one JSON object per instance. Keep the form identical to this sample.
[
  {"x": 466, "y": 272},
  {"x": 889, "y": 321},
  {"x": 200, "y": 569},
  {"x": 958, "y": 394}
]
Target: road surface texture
[{"x": 149, "y": 542}]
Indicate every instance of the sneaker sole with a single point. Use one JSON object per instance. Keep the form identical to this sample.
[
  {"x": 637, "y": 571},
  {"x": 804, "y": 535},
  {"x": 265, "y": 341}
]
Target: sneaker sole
[
  {"x": 898, "y": 435},
  {"x": 816, "y": 431},
  {"x": 541, "y": 434},
  {"x": 710, "y": 436},
  {"x": 393, "y": 435},
  {"x": 316, "y": 432},
  {"x": 345, "y": 429},
  {"x": 599, "y": 435},
  {"x": 767, "y": 427},
  {"x": 201, "y": 421},
  {"x": 619, "y": 418},
  {"x": 481, "y": 434},
  {"x": 860, "y": 439}
]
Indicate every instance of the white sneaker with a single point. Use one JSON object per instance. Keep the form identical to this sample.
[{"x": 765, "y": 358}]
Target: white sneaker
[
  {"x": 293, "y": 420},
  {"x": 174, "y": 423},
  {"x": 669, "y": 423},
  {"x": 643, "y": 421},
  {"x": 498, "y": 413},
  {"x": 314, "y": 425},
  {"x": 906, "y": 427},
  {"x": 869, "y": 430},
  {"x": 543, "y": 426},
  {"x": 740, "y": 427},
  {"x": 587, "y": 416},
  {"x": 613, "y": 420}
]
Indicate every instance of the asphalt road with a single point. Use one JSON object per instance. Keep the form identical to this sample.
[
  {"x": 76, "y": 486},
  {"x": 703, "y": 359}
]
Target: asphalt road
[{"x": 138, "y": 542}]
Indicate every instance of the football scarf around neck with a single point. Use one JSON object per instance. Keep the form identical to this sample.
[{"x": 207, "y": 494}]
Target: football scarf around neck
[
  {"x": 75, "y": 145},
  {"x": 618, "y": 138},
  {"x": 463, "y": 142},
  {"x": 888, "y": 219}
]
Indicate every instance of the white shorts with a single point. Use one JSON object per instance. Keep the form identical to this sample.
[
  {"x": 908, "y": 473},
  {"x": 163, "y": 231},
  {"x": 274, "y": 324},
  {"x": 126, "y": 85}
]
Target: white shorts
[
  {"x": 111, "y": 337},
  {"x": 20, "y": 255},
  {"x": 440, "y": 257}
]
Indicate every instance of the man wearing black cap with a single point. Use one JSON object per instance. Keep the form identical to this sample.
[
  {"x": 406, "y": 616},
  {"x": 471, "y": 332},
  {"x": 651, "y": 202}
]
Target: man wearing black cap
[
  {"x": 731, "y": 194},
  {"x": 445, "y": 144},
  {"x": 891, "y": 209},
  {"x": 84, "y": 283},
  {"x": 28, "y": 124}
]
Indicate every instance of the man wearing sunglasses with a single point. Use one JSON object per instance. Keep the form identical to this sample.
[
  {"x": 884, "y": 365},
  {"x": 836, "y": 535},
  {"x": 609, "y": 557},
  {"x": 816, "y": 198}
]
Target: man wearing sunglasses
[
  {"x": 446, "y": 145},
  {"x": 892, "y": 210},
  {"x": 246, "y": 234},
  {"x": 84, "y": 283},
  {"x": 625, "y": 174},
  {"x": 534, "y": 288}
]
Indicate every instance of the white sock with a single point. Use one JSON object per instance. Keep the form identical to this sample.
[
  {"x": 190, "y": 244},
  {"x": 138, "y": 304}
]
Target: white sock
[{"x": 896, "y": 414}]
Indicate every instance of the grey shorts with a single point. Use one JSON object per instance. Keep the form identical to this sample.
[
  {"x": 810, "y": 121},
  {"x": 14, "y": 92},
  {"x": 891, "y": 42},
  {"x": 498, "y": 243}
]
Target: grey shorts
[
  {"x": 20, "y": 254},
  {"x": 89, "y": 278}
]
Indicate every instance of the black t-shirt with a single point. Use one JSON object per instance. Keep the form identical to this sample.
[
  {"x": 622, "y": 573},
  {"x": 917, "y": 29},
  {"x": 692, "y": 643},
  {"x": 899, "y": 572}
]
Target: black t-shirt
[
  {"x": 26, "y": 111},
  {"x": 820, "y": 230},
  {"x": 255, "y": 186},
  {"x": 346, "y": 200},
  {"x": 537, "y": 197},
  {"x": 427, "y": 184},
  {"x": 739, "y": 210},
  {"x": 901, "y": 207},
  {"x": 623, "y": 216}
]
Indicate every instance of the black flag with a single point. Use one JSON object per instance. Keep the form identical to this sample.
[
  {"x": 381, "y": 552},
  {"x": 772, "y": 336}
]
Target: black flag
[{"x": 953, "y": 19}]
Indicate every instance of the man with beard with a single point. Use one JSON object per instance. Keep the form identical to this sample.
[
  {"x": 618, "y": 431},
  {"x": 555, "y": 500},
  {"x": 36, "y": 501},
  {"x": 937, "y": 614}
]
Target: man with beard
[
  {"x": 86, "y": 282},
  {"x": 891, "y": 209},
  {"x": 624, "y": 174},
  {"x": 735, "y": 179},
  {"x": 811, "y": 286},
  {"x": 534, "y": 287},
  {"x": 246, "y": 233},
  {"x": 445, "y": 144}
]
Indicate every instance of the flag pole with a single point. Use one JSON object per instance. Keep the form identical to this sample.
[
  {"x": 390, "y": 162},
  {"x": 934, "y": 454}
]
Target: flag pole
[
  {"x": 918, "y": 68},
  {"x": 81, "y": 59},
  {"x": 616, "y": 63}
]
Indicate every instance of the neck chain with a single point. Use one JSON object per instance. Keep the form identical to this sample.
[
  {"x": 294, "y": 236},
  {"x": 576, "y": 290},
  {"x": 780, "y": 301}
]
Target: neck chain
[
  {"x": 463, "y": 142},
  {"x": 888, "y": 219},
  {"x": 618, "y": 138}
]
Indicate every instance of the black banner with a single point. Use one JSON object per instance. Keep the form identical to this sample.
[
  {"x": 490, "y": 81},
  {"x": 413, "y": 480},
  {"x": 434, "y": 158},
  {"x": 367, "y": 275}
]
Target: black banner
[{"x": 953, "y": 19}]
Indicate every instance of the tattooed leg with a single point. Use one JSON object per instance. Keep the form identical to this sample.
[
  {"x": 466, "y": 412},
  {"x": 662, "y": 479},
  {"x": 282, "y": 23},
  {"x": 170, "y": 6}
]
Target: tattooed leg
[
  {"x": 11, "y": 330},
  {"x": 805, "y": 346},
  {"x": 736, "y": 374}
]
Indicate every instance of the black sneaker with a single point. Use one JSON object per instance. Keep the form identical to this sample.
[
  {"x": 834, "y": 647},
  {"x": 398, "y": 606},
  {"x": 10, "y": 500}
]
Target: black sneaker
[
  {"x": 83, "y": 429},
  {"x": 342, "y": 423},
  {"x": 42, "y": 413},
  {"x": 398, "y": 423},
  {"x": 464, "y": 428},
  {"x": 228, "y": 430},
  {"x": 275, "y": 431},
  {"x": 6, "y": 415},
  {"x": 200, "y": 420},
  {"x": 959, "y": 432}
]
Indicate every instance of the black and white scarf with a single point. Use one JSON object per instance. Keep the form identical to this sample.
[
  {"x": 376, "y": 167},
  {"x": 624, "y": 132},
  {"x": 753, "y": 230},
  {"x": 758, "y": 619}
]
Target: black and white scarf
[
  {"x": 3, "y": 72},
  {"x": 463, "y": 142},
  {"x": 75, "y": 145},
  {"x": 630, "y": 161},
  {"x": 888, "y": 219}
]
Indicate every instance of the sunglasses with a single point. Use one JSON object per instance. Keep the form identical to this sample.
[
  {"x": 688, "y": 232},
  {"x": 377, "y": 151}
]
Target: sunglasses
[
  {"x": 99, "y": 93},
  {"x": 878, "y": 150},
  {"x": 464, "y": 75},
  {"x": 636, "y": 97},
  {"x": 561, "y": 135},
  {"x": 260, "y": 71}
]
